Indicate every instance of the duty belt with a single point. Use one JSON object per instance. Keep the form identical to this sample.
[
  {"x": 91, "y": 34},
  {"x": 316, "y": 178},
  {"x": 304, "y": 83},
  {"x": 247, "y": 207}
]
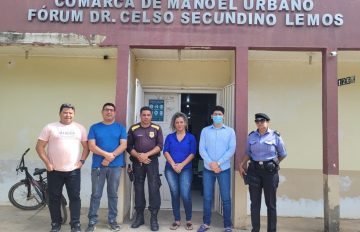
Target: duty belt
[
  {"x": 260, "y": 163},
  {"x": 269, "y": 165}
]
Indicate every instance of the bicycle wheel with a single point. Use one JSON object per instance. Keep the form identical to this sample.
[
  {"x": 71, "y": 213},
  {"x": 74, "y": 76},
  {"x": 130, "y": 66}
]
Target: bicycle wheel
[
  {"x": 63, "y": 210},
  {"x": 19, "y": 196}
]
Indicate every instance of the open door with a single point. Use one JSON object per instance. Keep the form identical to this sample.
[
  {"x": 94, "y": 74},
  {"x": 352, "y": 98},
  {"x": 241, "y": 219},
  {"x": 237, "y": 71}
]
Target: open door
[
  {"x": 228, "y": 103},
  {"x": 165, "y": 105},
  {"x": 139, "y": 102}
]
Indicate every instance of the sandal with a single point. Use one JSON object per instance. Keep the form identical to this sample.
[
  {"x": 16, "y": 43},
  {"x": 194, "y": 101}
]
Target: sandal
[
  {"x": 203, "y": 228},
  {"x": 189, "y": 226},
  {"x": 174, "y": 226}
]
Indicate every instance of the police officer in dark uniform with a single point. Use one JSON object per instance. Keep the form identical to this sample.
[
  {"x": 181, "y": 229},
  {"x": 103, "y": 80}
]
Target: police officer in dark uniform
[
  {"x": 145, "y": 141},
  {"x": 265, "y": 150}
]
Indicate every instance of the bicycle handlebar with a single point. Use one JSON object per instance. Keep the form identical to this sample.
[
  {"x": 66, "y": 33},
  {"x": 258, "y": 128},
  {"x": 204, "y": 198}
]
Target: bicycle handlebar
[
  {"x": 21, "y": 165},
  {"x": 27, "y": 150}
]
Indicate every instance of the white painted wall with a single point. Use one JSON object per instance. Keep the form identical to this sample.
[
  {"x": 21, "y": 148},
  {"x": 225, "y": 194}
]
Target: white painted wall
[
  {"x": 31, "y": 92},
  {"x": 209, "y": 74},
  {"x": 290, "y": 92}
]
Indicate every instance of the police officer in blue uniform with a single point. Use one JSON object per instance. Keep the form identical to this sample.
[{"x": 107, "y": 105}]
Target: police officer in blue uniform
[{"x": 265, "y": 150}]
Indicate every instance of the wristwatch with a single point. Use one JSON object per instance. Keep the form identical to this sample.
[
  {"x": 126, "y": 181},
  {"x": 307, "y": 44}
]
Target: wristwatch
[{"x": 82, "y": 161}]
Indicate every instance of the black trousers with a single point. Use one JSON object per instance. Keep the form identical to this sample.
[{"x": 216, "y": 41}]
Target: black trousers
[
  {"x": 268, "y": 182},
  {"x": 151, "y": 171},
  {"x": 56, "y": 181}
]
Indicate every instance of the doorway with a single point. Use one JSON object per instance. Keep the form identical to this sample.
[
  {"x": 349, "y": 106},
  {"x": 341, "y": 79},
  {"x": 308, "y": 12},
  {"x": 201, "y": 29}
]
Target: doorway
[
  {"x": 197, "y": 106},
  {"x": 198, "y": 109},
  {"x": 165, "y": 77}
]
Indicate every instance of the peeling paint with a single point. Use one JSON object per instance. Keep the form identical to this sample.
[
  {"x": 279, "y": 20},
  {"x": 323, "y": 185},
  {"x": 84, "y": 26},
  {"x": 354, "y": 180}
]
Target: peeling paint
[
  {"x": 282, "y": 179},
  {"x": 12, "y": 36},
  {"x": 286, "y": 206},
  {"x": 303, "y": 207},
  {"x": 310, "y": 208},
  {"x": 8, "y": 177},
  {"x": 332, "y": 223},
  {"x": 331, "y": 191},
  {"x": 349, "y": 207},
  {"x": 50, "y": 38},
  {"x": 345, "y": 183}
]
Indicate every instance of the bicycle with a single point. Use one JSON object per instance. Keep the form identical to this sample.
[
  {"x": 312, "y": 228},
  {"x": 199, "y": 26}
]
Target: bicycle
[{"x": 32, "y": 194}]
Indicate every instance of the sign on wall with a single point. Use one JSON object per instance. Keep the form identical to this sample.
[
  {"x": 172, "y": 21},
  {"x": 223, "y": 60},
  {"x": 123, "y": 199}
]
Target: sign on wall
[
  {"x": 346, "y": 81},
  {"x": 157, "y": 107},
  {"x": 294, "y": 13}
]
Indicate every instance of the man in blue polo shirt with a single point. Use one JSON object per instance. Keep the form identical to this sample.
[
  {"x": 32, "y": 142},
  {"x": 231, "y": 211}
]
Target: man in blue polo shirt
[
  {"x": 107, "y": 141},
  {"x": 217, "y": 147}
]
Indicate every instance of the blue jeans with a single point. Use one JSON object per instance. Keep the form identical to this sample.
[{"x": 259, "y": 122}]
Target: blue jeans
[
  {"x": 180, "y": 185},
  {"x": 56, "y": 182},
  {"x": 98, "y": 177},
  {"x": 223, "y": 179}
]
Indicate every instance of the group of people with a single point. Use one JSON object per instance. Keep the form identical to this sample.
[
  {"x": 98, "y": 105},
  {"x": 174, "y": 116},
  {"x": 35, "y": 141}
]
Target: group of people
[{"x": 59, "y": 148}]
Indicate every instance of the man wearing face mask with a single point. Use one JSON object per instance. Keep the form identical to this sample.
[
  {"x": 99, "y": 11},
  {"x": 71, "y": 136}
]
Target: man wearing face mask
[{"x": 217, "y": 147}]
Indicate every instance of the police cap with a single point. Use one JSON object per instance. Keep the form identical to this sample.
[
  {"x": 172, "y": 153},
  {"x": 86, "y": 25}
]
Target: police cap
[{"x": 261, "y": 116}]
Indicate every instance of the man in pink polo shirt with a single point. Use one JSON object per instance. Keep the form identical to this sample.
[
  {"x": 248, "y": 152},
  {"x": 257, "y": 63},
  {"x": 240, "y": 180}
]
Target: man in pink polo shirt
[{"x": 63, "y": 161}]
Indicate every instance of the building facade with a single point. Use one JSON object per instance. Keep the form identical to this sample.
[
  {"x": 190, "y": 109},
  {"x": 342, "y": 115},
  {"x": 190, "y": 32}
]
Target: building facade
[{"x": 295, "y": 60}]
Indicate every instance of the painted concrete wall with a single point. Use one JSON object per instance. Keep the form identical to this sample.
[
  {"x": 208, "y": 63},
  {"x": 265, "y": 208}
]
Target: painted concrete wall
[
  {"x": 184, "y": 73},
  {"x": 31, "y": 92},
  {"x": 349, "y": 159},
  {"x": 290, "y": 92},
  {"x": 349, "y": 109}
]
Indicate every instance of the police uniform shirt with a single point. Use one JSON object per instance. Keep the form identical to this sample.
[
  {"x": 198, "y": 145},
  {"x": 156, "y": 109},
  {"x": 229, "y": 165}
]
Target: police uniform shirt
[
  {"x": 265, "y": 147},
  {"x": 144, "y": 139}
]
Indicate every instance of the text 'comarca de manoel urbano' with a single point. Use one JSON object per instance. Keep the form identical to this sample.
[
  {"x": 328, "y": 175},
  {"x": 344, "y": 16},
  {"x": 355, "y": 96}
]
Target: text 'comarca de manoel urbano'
[{"x": 186, "y": 12}]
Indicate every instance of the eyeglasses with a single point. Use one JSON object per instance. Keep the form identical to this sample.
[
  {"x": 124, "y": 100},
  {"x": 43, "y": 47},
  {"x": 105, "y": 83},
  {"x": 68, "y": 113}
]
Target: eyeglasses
[
  {"x": 67, "y": 105},
  {"x": 107, "y": 109},
  {"x": 260, "y": 121}
]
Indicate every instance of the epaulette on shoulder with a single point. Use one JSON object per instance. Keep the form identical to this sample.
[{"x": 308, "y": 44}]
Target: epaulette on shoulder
[
  {"x": 251, "y": 132},
  {"x": 155, "y": 126},
  {"x": 135, "y": 127},
  {"x": 277, "y": 133}
]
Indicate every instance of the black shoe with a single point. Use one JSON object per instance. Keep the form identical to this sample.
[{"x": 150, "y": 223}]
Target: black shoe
[
  {"x": 76, "y": 227},
  {"x": 55, "y": 227},
  {"x": 90, "y": 228},
  {"x": 139, "y": 220},
  {"x": 114, "y": 226},
  {"x": 154, "y": 225}
]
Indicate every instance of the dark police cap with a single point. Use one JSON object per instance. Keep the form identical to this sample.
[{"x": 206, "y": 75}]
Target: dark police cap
[{"x": 261, "y": 116}]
